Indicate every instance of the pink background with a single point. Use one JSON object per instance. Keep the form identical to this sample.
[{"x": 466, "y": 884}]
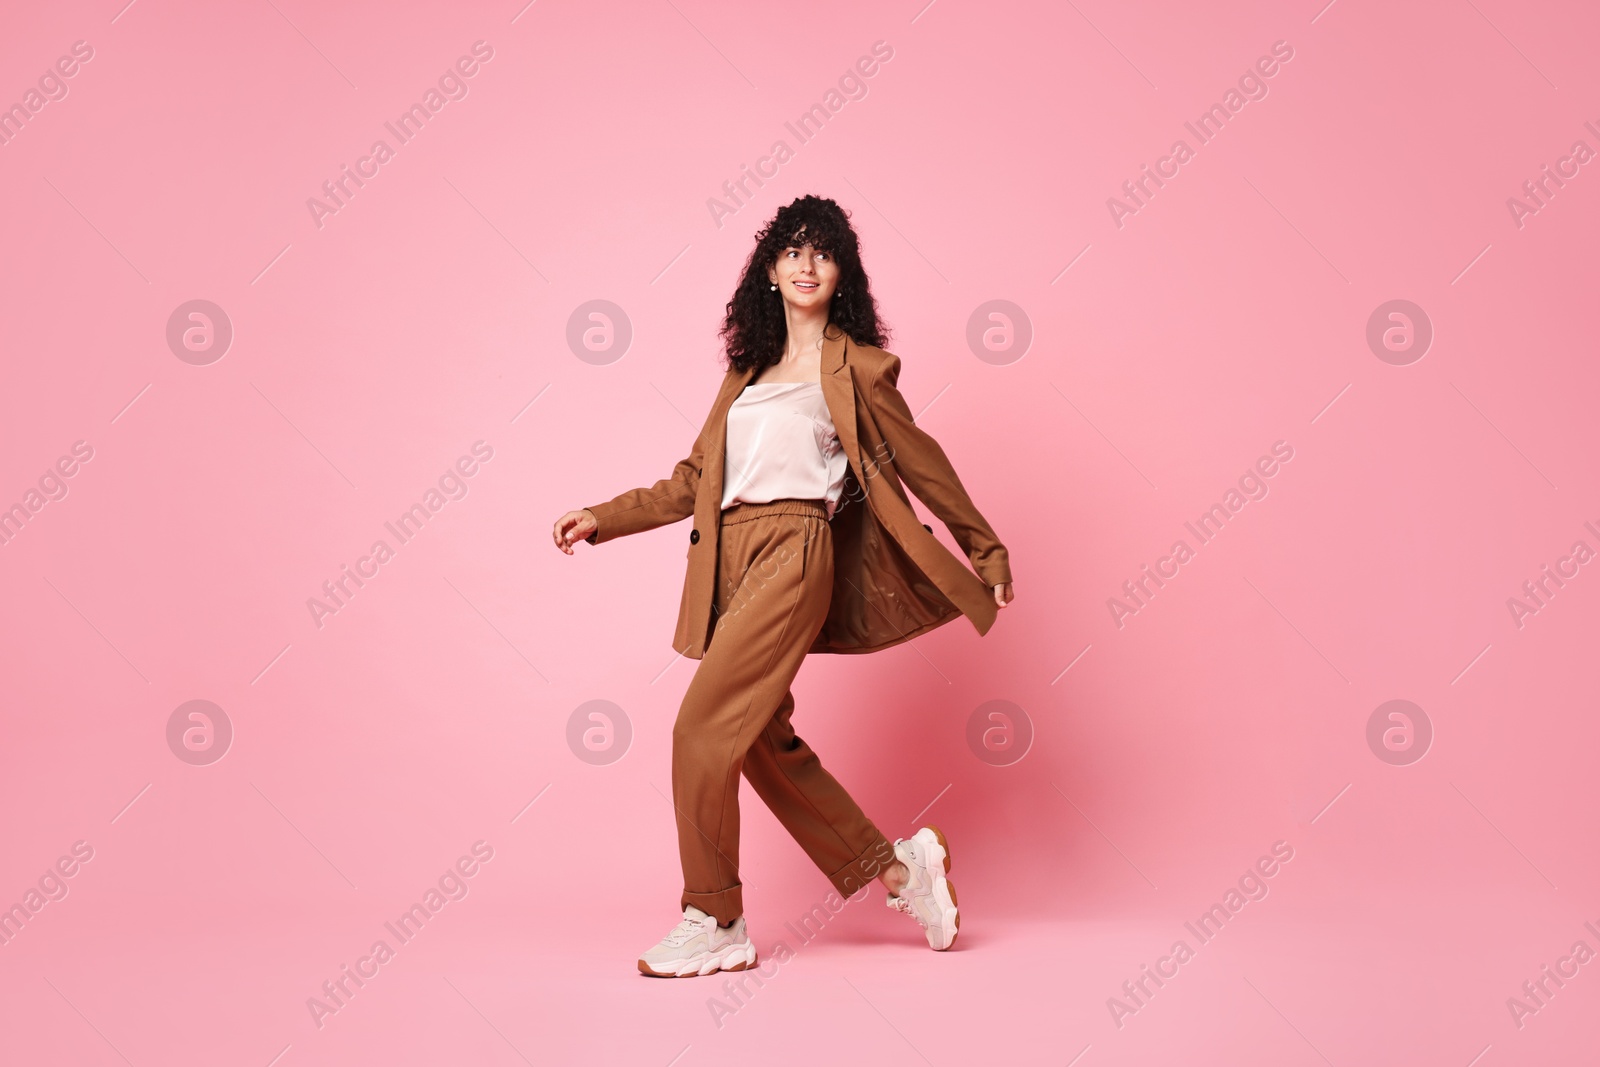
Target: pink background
[{"x": 432, "y": 310}]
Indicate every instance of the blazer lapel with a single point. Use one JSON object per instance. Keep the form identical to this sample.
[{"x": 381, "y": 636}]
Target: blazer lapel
[
  {"x": 708, "y": 499},
  {"x": 839, "y": 391}
]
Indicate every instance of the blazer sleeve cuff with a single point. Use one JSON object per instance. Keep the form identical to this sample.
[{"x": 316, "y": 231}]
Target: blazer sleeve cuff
[
  {"x": 996, "y": 570},
  {"x": 603, "y": 530}
]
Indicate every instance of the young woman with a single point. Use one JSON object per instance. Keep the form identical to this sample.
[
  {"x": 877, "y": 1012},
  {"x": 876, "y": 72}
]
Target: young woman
[{"x": 803, "y": 541}]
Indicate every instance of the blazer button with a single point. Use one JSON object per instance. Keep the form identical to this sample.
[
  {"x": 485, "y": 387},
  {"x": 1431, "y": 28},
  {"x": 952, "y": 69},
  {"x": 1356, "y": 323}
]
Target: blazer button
[{"x": 694, "y": 537}]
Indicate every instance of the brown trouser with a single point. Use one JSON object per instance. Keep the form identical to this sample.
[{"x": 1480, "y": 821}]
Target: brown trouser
[{"x": 774, "y": 586}]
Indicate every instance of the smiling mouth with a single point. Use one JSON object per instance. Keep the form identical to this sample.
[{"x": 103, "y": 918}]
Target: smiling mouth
[{"x": 805, "y": 286}]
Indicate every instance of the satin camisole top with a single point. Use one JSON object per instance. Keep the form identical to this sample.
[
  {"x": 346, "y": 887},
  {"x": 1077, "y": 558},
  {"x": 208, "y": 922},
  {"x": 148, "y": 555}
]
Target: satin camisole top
[{"x": 782, "y": 443}]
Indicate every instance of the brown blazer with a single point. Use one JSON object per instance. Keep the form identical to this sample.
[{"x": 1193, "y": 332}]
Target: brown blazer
[{"x": 893, "y": 579}]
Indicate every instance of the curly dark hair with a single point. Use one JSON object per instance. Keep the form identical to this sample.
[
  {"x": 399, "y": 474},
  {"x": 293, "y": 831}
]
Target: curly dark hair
[{"x": 755, "y": 329}]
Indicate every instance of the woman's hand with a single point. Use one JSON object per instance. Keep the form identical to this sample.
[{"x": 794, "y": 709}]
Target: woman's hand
[
  {"x": 573, "y": 527},
  {"x": 1003, "y": 594}
]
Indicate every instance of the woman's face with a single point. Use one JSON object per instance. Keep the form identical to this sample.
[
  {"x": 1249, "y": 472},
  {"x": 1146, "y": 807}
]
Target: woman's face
[{"x": 805, "y": 277}]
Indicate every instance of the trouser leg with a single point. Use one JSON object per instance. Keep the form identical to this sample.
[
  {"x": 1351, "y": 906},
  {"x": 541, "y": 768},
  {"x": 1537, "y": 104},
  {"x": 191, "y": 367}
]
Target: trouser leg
[{"x": 774, "y": 586}]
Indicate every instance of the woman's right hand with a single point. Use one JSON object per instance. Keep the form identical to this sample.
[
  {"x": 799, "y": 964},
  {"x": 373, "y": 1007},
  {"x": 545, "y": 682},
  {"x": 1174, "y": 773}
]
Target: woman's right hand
[{"x": 573, "y": 527}]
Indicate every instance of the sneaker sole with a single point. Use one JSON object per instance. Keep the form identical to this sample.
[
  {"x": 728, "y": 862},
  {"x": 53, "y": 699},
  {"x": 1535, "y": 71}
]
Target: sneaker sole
[
  {"x": 710, "y": 965},
  {"x": 944, "y": 846},
  {"x": 955, "y": 905}
]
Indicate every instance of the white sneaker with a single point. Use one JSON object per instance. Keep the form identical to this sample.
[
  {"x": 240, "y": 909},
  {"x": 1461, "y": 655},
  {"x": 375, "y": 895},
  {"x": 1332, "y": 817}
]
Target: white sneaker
[
  {"x": 699, "y": 946},
  {"x": 929, "y": 897}
]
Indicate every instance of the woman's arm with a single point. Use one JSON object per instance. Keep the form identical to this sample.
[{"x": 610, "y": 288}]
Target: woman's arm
[
  {"x": 927, "y": 472},
  {"x": 637, "y": 510}
]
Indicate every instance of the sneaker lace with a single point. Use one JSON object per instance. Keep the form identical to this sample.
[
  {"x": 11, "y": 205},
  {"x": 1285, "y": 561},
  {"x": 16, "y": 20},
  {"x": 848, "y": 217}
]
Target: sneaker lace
[
  {"x": 902, "y": 904},
  {"x": 681, "y": 933}
]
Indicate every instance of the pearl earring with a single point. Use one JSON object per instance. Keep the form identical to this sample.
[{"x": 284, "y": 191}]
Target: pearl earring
[{"x": 774, "y": 288}]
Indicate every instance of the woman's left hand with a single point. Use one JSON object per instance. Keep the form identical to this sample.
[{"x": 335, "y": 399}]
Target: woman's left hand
[{"x": 1003, "y": 594}]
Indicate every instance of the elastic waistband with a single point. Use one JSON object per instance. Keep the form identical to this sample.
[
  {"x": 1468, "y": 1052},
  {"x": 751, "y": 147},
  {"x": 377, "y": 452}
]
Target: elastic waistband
[{"x": 745, "y": 511}]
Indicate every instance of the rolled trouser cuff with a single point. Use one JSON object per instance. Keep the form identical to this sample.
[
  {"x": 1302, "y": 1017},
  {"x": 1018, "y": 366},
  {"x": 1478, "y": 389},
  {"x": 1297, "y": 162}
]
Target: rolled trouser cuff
[{"x": 725, "y": 905}]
